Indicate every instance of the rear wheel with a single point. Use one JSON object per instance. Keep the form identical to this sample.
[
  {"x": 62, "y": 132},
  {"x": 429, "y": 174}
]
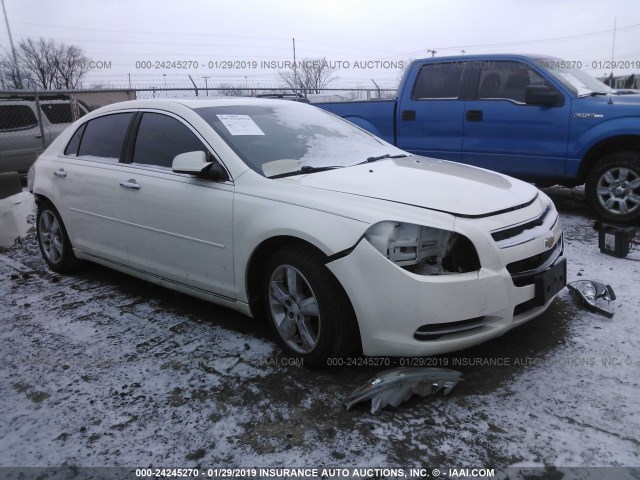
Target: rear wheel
[
  {"x": 613, "y": 187},
  {"x": 53, "y": 240},
  {"x": 308, "y": 311}
]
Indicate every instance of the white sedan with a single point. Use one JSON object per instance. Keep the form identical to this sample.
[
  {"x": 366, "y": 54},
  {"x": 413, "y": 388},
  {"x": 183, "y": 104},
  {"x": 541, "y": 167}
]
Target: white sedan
[{"x": 277, "y": 209}]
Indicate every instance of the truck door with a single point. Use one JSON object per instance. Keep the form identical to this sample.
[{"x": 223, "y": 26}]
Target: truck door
[
  {"x": 503, "y": 133},
  {"x": 429, "y": 118}
]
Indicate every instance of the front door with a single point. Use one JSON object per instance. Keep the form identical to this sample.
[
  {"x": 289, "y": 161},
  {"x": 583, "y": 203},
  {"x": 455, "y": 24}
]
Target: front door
[
  {"x": 178, "y": 227},
  {"x": 503, "y": 133}
]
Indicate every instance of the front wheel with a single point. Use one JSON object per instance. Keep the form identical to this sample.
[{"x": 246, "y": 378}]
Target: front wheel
[
  {"x": 308, "y": 311},
  {"x": 613, "y": 187}
]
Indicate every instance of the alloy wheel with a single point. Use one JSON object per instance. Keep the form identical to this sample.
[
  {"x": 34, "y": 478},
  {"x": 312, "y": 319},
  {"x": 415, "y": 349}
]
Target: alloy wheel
[
  {"x": 50, "y": 236},
  {"x": 618, "y": 190},
  {"x": 294, "y": 309}
]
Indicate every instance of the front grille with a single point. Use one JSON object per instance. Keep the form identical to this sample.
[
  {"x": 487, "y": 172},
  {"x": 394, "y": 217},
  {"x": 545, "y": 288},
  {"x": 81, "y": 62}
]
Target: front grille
[
  {"x": 434, "y": 331},
  {"x": 523, "y": 271},
  {"x": 516, "y": 230}
]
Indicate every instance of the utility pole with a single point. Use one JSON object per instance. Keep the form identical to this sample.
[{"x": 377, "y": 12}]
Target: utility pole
[
  {"x": 129, "y": 79},
  {"x": 13, "y": 50},
  {"x": 432, "y": 52},
  {"x": 206, "y": 85},
  {"x": 613, "y": 56},
  {"x": 295, "y": 68}
]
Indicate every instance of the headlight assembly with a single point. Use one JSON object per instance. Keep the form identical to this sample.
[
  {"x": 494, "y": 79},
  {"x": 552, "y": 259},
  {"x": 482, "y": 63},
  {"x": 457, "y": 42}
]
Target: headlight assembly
[{"x": 423, "y": 250}]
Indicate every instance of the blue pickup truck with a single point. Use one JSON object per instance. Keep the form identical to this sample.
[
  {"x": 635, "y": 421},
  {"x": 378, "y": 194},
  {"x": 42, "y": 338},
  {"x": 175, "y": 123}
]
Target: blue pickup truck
[{"x": 534, "y": 118}]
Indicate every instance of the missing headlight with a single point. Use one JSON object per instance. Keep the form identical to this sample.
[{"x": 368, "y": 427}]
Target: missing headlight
[{"x": 424, "y": 250}]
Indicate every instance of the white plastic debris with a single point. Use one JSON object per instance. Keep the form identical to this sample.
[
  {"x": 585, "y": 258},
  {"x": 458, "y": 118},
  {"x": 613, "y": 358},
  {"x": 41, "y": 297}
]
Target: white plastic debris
[{"x": 392, "y": 387}]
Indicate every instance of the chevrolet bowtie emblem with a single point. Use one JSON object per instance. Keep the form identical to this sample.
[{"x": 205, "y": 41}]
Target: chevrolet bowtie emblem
[{"x": 549, "y": 241}]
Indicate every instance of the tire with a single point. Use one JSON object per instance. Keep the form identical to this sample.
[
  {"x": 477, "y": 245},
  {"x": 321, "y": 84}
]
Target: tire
[
  {"x": 307, "y": 309},
  {"x": 53, "y": 240},
  {"x": 613, "y": 187}
]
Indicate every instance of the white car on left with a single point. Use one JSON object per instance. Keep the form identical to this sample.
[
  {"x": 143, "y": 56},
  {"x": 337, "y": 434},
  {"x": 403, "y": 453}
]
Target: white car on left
[{"x": 277, "y": 209}]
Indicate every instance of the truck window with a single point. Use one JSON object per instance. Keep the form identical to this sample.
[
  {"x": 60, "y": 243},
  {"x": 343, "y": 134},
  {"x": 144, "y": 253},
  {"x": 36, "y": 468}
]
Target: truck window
[
  {"x": 438, "y": 80},
  {"x": 17, "y": 117},
  {"x": 62, "y": 112},
  {"x": 506, "y": 80}
]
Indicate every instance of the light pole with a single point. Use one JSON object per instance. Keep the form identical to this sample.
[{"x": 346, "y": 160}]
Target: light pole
[
  {"x": 206, "y": 85},
  {"x": 165, "y": 79},
  {"x": 16, "y": 70}
]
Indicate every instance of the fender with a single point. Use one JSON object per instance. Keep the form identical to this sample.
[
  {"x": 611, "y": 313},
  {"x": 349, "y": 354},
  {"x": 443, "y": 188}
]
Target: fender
[{"x": 608, "y": 129}]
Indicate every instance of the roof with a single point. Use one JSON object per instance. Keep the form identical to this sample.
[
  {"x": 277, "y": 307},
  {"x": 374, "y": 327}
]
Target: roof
[{"x": 488, "y": 56}]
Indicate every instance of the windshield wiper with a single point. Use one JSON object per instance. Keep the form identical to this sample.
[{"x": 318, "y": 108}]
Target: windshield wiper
[
  {"x": 381, "y": 157},
  {"x": 304, "y": 170}
]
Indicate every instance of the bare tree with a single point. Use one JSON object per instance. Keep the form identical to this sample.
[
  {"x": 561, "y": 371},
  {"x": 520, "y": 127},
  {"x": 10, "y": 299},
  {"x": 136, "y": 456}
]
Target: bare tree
[
  {"x": 46, "y": 64},
  {"x": 72, "y": 66},
  {"x": 228, "y": 90},
  {"x": 309, "y": 75}
]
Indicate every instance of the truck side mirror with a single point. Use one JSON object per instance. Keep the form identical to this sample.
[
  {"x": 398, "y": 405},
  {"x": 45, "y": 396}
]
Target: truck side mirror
[{"x": 543, "y": 96}]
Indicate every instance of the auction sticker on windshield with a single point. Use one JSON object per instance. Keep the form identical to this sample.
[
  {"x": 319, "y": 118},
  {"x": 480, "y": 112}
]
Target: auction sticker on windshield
[{"x": 240, "y": 125}]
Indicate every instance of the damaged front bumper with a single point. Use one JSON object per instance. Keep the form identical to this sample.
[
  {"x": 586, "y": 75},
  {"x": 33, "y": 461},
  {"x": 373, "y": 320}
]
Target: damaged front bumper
[{"x": 405, "y": 314}]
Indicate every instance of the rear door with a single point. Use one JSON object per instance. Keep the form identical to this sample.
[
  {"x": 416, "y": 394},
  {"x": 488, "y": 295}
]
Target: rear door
[
  {"x": 430, "y": 111},
  {"x": 503, "y": 133},
  {"x": 86, "y": 180},
  {"x": 178, "y": 227}
]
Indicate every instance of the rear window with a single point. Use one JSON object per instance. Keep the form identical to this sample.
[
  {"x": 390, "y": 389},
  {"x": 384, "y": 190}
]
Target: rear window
[
  {"x": 104, "y": 136},
  {"x": 17, "y": 117},
  {"x": 74, "y": 143},
  {"x": 439, "y": 80}
]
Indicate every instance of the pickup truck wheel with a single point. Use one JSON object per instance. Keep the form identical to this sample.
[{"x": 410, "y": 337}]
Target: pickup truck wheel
[
  {"x": 53, "y": 240},
  {"x": 613, "y": 187},
  {"x": 308, "y": 311}
]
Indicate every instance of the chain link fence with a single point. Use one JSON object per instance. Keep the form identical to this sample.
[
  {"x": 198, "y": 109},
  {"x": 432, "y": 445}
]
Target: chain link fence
[{"x": 31, "y": 120}]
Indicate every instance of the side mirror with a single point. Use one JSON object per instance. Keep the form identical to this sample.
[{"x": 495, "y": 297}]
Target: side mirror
[
  {"x": 543, "y": 96},
  {"x": 190, "y": 162},
  {"x": 199, "y": 164}
]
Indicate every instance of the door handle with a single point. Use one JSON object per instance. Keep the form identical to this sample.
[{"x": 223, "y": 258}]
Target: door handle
[
  {"x": 39, "y": 136},
  {"x": 408, "y": 115},
  {"x": 474, "y": 116},
  {"x": 60, "y": 173},
  {"x": 131, "y": 183}
]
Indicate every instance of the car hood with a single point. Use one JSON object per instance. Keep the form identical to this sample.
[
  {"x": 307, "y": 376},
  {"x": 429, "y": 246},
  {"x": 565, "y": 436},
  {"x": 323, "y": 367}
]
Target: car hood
[{"x": 428, "y": 183}]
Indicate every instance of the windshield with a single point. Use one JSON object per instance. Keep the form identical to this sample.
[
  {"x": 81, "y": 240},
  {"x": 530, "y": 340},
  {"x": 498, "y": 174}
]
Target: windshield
[
  {"x": 278, "y": 137},
  {"x": 580, "y": 83}
]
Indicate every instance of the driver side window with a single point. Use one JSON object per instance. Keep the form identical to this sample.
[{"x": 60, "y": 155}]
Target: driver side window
[
  {"x": 507, "y": 80},
  {"x": 160, "y": 138}
]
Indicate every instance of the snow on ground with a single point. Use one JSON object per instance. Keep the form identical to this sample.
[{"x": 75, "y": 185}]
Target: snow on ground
[{"x": 99, "y": 369}]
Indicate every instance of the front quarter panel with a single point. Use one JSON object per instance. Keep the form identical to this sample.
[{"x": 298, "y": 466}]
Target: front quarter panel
[{"x": 258, "y": 219}]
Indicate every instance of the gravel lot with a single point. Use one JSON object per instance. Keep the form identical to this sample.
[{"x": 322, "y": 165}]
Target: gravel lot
[{"x": 100, "y": 369}]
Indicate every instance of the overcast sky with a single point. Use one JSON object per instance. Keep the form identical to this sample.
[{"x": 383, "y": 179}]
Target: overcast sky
[{"x": 132, "y": 34}]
